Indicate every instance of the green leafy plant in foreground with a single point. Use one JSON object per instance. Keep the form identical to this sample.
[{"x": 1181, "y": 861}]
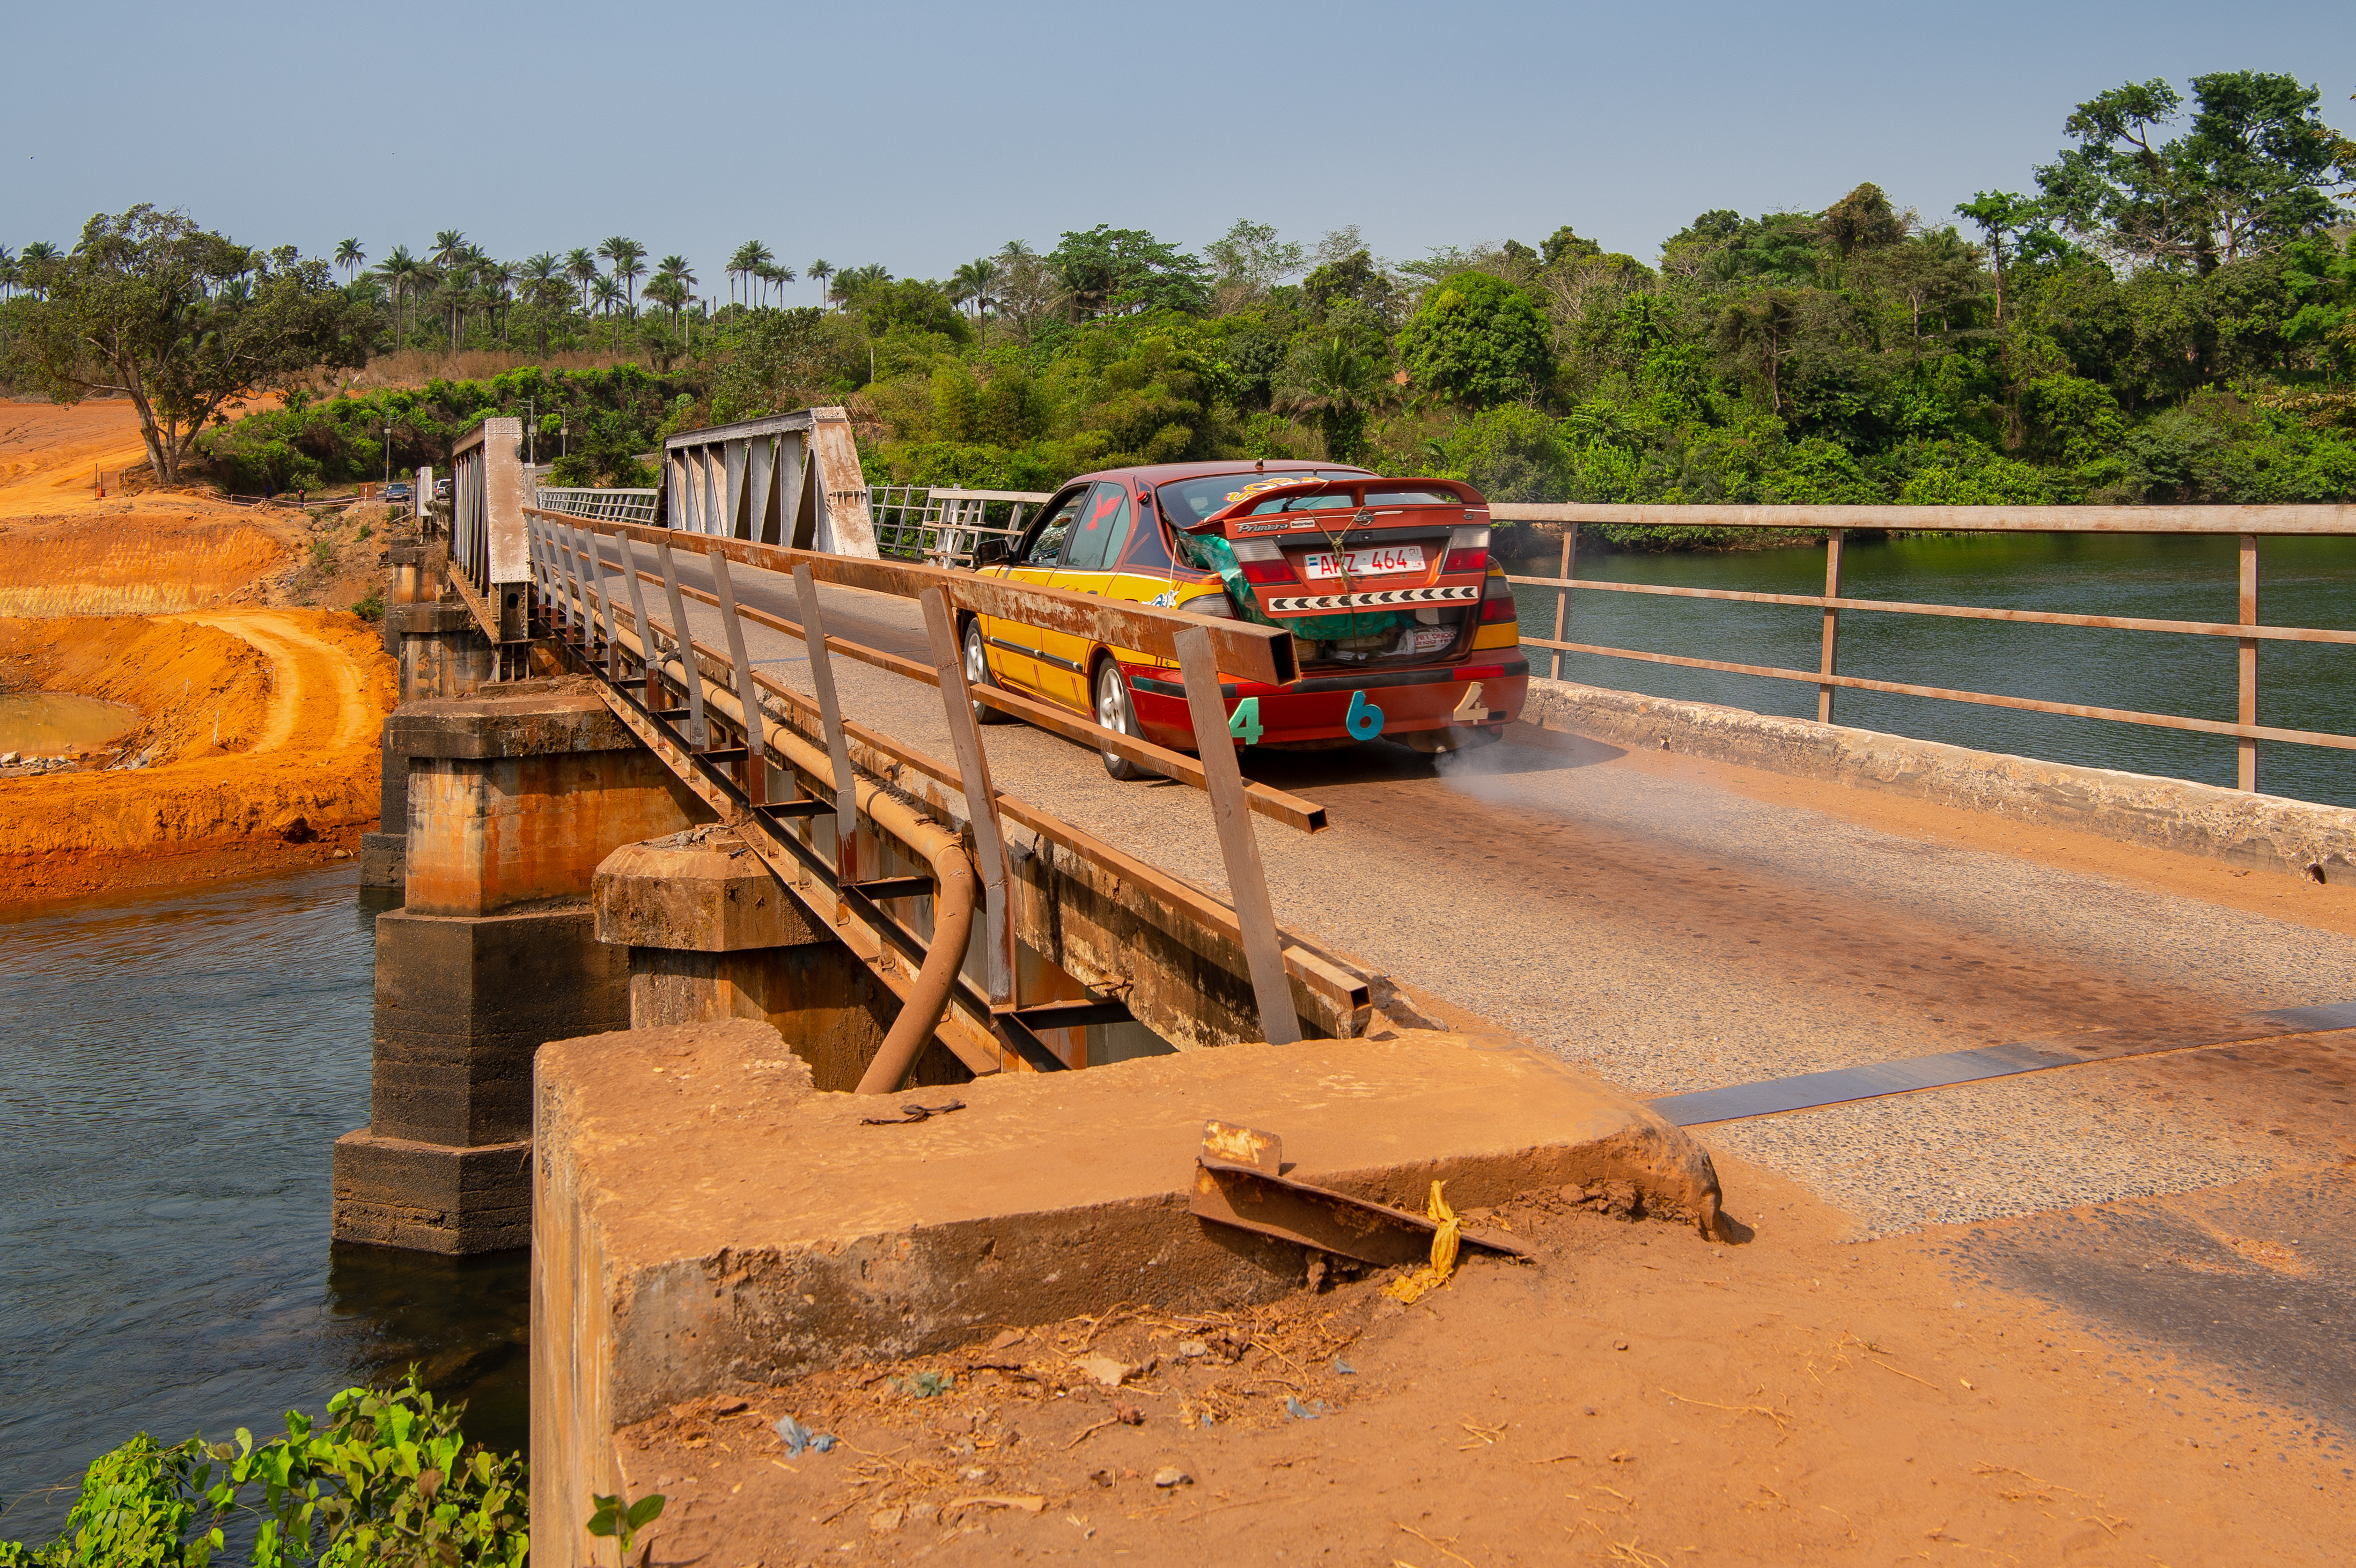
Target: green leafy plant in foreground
[
  {"x": 623, "y": 1523},
  {"x": 389, "y": 1478}
]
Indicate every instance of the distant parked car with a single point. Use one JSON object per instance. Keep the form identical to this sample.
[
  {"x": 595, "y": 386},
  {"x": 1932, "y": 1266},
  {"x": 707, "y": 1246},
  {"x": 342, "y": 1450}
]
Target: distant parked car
[
  {"x": 398, "y": 492},
  {"x": 441, "y": 490}
]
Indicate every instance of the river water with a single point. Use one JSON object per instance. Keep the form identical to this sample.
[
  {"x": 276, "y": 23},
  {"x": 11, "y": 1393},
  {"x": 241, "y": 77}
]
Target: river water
[
  {"x": 2301, "y": 581},
  {"x": 174, "y": 1070}
]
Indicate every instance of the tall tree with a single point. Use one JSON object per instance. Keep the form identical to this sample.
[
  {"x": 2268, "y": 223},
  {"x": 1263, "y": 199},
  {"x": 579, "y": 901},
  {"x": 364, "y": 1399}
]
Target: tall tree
[
  {"x": 349, "y": 256},
  {"x": 820, "y": 271},
  {"x": 974, "y": 281},
  {"x": 2001, "y": 214},
  {"x": 34, "y": 265},
  {"x": 1248, "y": 260},
  {"x": 2256, "y": 168},
  {"x": 179, "y": 320},
  {"x": 582, "y": 268},
  {"x": 627, "y": 257},
  {"x": 403, "y": 271}
]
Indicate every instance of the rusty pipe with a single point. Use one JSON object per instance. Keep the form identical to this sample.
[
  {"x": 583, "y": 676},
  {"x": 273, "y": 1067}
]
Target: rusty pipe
[
  {"x": 953, "y": 888},
  {"x": 928, "y": 997}
]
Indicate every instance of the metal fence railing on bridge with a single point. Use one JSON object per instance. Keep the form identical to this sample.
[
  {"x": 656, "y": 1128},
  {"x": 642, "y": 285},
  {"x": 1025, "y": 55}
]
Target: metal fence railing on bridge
[
  {"x": 723, "y": 725},
  {"x": 2247, "y": 524},
  {"x": 940, "y": 524},
  {"x": 604, "y": 505}
]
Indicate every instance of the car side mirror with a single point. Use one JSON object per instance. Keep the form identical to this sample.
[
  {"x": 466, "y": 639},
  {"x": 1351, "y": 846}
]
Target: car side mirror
[{"x": 989, "y": 551}]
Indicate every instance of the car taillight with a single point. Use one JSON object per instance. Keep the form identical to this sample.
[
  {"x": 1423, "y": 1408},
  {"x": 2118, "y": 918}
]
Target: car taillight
[
  {"x": 1262, "y": 561},
  {"x": 1267, "y": 571},
  {"x": 1468, "y": 551},
  {"x": 1217, "y": 604},
  {"x": 1497, "y": 602}
]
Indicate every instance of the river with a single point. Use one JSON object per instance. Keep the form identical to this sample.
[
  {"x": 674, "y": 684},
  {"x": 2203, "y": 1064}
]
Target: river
[
  {"x": 43, "y": 723},
  {"x": 174, "y": 1070},
  {"x": 2301, "y": 581}
]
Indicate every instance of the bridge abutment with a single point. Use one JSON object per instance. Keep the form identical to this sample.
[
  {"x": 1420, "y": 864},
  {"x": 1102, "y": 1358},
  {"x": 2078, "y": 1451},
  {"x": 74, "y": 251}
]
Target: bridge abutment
[{"x": 511, "y": 797}]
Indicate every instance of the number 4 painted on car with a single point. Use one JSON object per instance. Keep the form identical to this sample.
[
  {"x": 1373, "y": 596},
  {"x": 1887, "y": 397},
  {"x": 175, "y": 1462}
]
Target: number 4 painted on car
[{"x": 1243, "y": 723}]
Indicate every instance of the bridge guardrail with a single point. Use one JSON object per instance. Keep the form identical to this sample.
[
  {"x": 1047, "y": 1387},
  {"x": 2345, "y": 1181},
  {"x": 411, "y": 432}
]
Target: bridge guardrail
[
  {"x": 590, "y": 610},
  {"x": 489, "y": 553},
  {"x": 605, "y": 505},
  {"x": 942, "y": 523},
  {"x": 787, "y": 480},
  {"x": 2249, "y": 523}
]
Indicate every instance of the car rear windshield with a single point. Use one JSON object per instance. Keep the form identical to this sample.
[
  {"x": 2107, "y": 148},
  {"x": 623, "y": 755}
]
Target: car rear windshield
[{"x": 1185, "y": 502}]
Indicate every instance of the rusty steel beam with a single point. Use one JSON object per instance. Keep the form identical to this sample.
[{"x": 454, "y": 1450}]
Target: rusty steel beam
[
  {"x": 1238, "y": 1181},
  {"x": 2255, "y": 519}
]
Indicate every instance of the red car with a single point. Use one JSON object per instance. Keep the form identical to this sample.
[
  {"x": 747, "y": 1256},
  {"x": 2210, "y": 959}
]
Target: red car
[{"x": 1402, "y": 625}]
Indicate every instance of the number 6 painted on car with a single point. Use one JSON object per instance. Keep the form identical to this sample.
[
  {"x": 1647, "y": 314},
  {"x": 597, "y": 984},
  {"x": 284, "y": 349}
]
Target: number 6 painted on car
[{"x": 1365, "y": 721}]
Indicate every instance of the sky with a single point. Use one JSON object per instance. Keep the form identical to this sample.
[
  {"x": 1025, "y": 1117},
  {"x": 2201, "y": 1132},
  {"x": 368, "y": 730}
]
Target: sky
[{"x": 923, "y": 135}]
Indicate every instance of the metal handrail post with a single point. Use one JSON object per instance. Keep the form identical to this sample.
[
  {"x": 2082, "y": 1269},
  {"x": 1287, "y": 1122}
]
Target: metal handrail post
[
  {"x": 1829, "y": 662},
  {"x": 647, "y": 651},
  {"x": 756, "y": 739},
  {"x": 2247, "y": 769},
  {"x": 981, "y": 795},
  {"x": 838, "y": 739},
  {"x": 1246, "y": 878},
  {"x": 699, "y": 734}
]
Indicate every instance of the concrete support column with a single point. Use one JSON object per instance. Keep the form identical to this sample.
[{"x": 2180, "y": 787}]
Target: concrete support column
[
  {"x": 512, "y": 797},
  {"x": 443, "y": 652},
  {"x": 711, "y": 936}
]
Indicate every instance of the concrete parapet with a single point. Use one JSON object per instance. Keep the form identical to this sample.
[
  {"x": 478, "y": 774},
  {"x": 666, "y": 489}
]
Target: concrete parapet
[
  {"x": 705, "y": 1221},
  {"x": 698, "y": 891},
  {"x": 2230, "y": 825}
]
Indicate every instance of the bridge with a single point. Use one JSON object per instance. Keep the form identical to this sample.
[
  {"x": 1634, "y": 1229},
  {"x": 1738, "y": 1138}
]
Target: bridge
[{"x": 658, "y": 784}]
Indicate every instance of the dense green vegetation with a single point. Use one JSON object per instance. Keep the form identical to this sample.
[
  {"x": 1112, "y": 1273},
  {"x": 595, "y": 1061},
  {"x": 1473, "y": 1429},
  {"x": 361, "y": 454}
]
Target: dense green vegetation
[
  {"x": 387, "y": 1478},
  {"x": 2171, "y": 317}
]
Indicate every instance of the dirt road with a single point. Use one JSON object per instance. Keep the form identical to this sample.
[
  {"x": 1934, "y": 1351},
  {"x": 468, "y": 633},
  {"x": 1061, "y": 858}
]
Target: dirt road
[{"x": 322, "y": 699}]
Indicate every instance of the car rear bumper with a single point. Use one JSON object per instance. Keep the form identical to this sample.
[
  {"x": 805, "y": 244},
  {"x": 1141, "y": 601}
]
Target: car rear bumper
[{"x": 1316, "y": 707}]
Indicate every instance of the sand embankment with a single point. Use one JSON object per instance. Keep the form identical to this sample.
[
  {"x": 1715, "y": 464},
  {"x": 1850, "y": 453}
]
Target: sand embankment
[{"x": 300, "y": 697}]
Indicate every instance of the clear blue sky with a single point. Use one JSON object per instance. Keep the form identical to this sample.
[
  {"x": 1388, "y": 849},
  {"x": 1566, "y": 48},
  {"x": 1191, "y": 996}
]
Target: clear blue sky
[{"x": 922, "y": 134}]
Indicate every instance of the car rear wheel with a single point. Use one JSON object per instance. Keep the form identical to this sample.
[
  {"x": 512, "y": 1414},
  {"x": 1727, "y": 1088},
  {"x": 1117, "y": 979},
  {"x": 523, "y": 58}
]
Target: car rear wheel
[
  {"x": 978, "y": 676},
  {"x": 1115, "y": 713}
]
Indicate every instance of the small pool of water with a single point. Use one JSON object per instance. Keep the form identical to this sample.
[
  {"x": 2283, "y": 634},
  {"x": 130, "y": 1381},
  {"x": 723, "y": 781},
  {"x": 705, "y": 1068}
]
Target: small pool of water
[{"x": 43, "y": 723}]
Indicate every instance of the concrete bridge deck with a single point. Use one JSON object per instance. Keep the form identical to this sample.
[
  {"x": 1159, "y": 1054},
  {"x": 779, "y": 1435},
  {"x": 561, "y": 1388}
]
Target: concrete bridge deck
[{"x": 1678, "y": 925}]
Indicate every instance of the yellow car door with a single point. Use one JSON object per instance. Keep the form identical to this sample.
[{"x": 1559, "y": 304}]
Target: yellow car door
[
  {"x": 1091, "y": 550},
  {"x": 1012, "y": 647}
]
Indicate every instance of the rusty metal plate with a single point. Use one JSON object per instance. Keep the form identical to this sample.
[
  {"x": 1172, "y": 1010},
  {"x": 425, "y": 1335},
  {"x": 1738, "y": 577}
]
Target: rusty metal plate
[{"x": 1248, "y": 1194}]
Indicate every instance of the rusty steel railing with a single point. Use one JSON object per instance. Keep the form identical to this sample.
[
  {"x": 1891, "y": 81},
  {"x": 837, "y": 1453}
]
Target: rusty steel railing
[
  {"x": 2248, "y": 523},
  {"x": 789, "y": 478},
  {"x": 722, "y": 727}
]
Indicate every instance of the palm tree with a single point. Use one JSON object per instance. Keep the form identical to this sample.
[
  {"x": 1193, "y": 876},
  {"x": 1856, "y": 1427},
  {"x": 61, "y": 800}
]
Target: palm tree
[
  {"x": 740, "y": 266},
  {"x": 10, "y": 273},
  {"x": 820, "y": 271},
  {"x": 449, "y": 247},
  {"x": 349, "y": 256},
  {"x": 778, "y": 276},
  {"x": 33, "y": 266},
  {"x": 609, "y": 294},
  {"x": 403, "y": 271},
  {"x": 1340, "y": 386},
  {"x": 850, "y": 284},
  {"x": 974, "y": 281},
  {"x": 580, "y": 267},
  {"x": 665, "y": 289},
  {"x": 627, "y": 256}
]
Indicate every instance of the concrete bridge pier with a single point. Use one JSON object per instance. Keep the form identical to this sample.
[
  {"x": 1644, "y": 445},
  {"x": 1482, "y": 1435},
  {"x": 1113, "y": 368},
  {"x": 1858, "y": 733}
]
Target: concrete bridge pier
[
  {"x": 712, "y": 936},
  {"x": 512, "y": 796}
]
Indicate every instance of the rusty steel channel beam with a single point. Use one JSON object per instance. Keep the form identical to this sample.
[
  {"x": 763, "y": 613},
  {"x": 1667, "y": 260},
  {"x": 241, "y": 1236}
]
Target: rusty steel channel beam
[
  {"x": 2276, "y": 521},
  {"x": 1238, "y": 1182},
  {"x": 1244, "y": 649}
]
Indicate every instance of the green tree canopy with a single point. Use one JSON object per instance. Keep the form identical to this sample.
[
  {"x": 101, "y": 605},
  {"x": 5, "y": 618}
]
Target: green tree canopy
[
  {"x": 1478, "y": 340},
  {"x": 180, "y": 320},
  {"x": 1111, "y": 272}
]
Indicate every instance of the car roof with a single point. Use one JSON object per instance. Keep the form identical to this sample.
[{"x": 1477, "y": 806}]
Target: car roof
[{"x": 1163, "y": 473}]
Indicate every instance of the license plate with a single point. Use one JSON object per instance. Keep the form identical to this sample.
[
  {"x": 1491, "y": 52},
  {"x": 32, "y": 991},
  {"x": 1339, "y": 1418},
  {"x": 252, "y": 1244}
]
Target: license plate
[{"x": 1384, "y": 561}]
